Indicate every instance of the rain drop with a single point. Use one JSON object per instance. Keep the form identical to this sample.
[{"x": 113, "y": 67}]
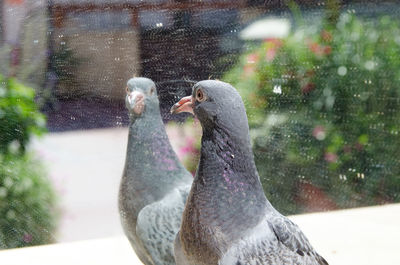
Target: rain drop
[
  {"x": 277, "y": 89},
  {"x": 342, "y": 70},
  {"x": 369, "y": 65}
]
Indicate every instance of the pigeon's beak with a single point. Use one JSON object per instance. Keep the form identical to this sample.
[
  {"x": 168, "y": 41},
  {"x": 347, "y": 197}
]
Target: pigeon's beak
[
  {"x": 184, "y": 105},
  {"x": 135, "y": 101}
]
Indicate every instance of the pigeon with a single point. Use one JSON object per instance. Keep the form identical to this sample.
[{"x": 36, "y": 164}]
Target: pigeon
[
  {"x": 227, "y": 219},
  {"x": 154, "y": 185}
]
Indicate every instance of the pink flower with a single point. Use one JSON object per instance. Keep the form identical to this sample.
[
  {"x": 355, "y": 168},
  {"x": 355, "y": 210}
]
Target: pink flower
[
  {"x": 27, "y": 238},
  {"x": 319, "y": 50},
  {"x": 330, "y": 157},
  {"x": 307, "y": 88},
  {"x": 314, "y": 47},
  {"x": 185, "y": 150},
  {"x": 358, "y": 146},
  {"x": 249, "y": 68},
  {"x": 347, "y": 149},
  {"x": 15, "y": 2},
  {"x": 274, "y": 41},
  {"x": 326, "y": 35},
  {"x": 272, "y": 46},
  {"x": 327, "y": 50},
  {"x": 188, "y": 148},
  {"x": 252, "y": 58},
  {"x": 270, "y": 55},
  {"x": 319, "y": 132}
]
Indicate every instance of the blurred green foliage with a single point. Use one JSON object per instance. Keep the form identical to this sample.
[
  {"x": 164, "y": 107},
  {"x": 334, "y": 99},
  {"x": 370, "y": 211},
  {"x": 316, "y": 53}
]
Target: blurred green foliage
[
  {"x": 324, "y": 113},
  {"x": 27, "y": 200},
  {"x": 27, "y": 210},
  {"x": 19, "y": 116}
]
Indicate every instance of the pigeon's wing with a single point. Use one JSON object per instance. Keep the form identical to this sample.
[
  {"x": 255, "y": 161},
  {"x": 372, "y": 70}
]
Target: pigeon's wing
[
  {"x": 276, "y": 240},
  {"x": 158, "y": 223},
  {"x": 180, "y": 257},
  {"x": 290, "y": 235}
]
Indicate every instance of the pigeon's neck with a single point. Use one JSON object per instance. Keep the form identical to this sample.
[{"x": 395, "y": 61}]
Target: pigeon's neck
[
  {"x": 151, "y": 164},
  {"x": 226, "y": 187},
  {"x": 232, "y": 156},
  {"x": 144, "y": 128}
]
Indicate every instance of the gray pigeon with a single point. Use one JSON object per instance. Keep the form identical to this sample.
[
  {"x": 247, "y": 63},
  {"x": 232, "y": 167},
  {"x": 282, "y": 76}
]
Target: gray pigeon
[
  {"x": 154, "y": 185},
  {"x": 227, "y": 218}
]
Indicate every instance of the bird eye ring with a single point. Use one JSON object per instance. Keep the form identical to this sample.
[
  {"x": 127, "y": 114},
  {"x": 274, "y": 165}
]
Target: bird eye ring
[
  {"x": 152, "y": 90},
  {"x": 200, "y": 95}
]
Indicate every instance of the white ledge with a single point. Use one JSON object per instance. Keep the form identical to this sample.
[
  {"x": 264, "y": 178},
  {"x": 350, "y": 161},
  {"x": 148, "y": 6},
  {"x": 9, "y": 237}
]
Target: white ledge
[{"x": 363, "y": 236}]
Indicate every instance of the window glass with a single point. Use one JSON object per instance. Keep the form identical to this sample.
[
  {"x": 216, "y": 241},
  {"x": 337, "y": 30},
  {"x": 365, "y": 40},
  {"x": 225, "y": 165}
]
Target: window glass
[{"x": 319, "y": 79}]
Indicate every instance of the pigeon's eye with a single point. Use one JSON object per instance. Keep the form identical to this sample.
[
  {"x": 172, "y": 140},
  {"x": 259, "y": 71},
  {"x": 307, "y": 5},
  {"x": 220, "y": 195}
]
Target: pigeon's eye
[
  {"x": 200, "y": 95},
  {"x": 127, "y": 89},
  {"x": 152, "y": 90}
]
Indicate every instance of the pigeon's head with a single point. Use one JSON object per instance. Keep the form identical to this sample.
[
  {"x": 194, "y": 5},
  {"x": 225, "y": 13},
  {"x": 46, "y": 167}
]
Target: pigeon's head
[
  {"x": 141, "y": 96},
  {"x": 215, "y": 104}
]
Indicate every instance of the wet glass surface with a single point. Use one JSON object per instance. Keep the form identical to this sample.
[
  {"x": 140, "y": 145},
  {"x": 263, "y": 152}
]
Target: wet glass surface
[{"x": 320, "y": 81}]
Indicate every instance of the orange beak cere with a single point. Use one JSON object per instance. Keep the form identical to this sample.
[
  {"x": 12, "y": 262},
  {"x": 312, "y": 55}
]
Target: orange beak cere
[{"x": 184, "y": 105}]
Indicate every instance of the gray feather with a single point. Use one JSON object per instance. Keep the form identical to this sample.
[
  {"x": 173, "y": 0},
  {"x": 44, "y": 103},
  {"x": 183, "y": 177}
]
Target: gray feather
[
  {"x": 158, "y": 223},
  {"x": 277, "y": 240}
]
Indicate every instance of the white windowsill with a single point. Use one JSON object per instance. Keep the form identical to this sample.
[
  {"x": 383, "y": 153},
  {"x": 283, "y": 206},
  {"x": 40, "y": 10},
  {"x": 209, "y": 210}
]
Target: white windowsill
[{"x": 362, "y": 236}]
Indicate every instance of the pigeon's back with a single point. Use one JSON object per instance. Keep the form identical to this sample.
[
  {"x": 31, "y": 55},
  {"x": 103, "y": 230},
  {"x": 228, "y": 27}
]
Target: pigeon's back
[{"x": 275, "y": 241}]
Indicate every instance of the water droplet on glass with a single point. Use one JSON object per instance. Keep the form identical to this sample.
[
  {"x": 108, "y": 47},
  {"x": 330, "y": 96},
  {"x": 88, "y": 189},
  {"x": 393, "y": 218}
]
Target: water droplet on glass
[
  {"x": 369, "y": 65},
  {"x": 2, "y": 92},
  {"x": 342, "y": 70},
  {"x": 277, "y": 89},
  {"x": 8, "y": 182},
  {"x": 14, "y": 146},
  {"x": 3, "y": 192},
  {"x": 10, "y": 214}
]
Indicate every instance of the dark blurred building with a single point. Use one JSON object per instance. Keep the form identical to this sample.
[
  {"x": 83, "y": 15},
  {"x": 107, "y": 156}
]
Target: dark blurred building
[
  {"x": 160, "y": 39},
  {"x": 98, "y": 45},
  {"x": 90, "y": 48}
]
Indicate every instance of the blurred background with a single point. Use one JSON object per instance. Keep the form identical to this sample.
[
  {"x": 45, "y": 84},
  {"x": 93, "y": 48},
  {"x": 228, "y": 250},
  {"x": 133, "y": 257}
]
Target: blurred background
[{"x": 320, "y": 81}]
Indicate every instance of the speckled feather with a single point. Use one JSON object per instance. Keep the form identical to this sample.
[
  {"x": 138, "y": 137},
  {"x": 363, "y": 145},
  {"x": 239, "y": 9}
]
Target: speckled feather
[
  {"x": 154, "y": 183},
  {"x": 158, "y": 223},
  {"x": 276, "y": 240},
  {"x": 227, "y": 219}
]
